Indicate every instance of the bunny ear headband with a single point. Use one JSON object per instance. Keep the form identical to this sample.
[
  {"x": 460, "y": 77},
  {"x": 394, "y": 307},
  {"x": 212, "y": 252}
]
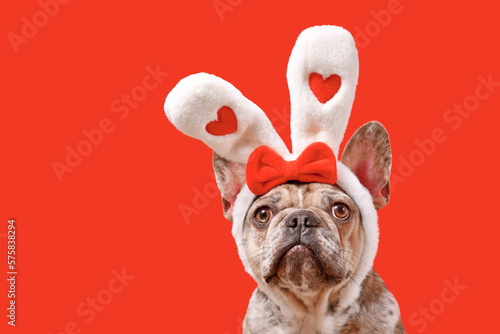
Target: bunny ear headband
[{"x": 322, "y": 75}]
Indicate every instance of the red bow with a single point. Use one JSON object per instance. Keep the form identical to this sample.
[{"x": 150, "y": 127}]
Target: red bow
[{"x": 266, "y": 169}]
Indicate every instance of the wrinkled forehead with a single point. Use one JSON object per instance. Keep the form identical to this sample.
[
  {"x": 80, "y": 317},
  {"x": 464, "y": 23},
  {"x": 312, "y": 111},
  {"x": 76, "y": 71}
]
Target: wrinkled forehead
[{"x": 303, "y": 195}]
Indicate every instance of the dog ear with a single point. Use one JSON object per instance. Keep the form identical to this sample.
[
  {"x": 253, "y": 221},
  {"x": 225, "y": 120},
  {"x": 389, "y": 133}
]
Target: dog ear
[
  {"x": 368, "y": 156},
  {"x": 230, "y": 177}
]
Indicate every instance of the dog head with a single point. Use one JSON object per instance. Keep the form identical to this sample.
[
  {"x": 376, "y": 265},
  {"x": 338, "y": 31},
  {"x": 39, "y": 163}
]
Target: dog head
[
  {"x": 319, "y": 231},
  {"x": 306, "y": 237}
]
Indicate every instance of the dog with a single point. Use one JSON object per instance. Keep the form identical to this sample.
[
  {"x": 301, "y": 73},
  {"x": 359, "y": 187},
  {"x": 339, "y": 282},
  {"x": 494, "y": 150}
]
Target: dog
[
  {"x": 304, "y": 242},
  {"x": 304, "y": 222}
]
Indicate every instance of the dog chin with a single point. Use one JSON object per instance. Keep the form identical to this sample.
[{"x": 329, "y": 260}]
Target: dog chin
[{"x": 299, "y": 267}]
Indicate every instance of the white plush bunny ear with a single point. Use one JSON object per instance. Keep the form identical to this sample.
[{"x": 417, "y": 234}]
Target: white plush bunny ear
[
  {"x": 322, "y": 76},
  {"x": 212, "y": 110}
]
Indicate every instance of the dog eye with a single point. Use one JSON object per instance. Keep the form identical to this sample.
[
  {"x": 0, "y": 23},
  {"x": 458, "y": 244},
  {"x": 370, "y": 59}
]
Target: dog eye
[
  {"x": 263, "y": 215},
  {"x": 341, "y": 211}
]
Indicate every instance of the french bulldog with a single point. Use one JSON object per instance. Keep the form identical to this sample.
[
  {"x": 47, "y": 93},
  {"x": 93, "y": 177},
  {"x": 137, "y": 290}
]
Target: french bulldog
[{"x": 303, "y": 243}]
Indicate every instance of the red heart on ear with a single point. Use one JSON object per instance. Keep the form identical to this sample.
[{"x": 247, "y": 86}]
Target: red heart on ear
[
  {"x": 323, "y": 89},
  {"x": 225, "y": 124}
]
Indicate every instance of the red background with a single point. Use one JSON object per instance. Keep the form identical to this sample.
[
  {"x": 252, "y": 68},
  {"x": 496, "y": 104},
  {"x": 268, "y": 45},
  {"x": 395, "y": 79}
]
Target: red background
[{"x": 119, "y": 208}]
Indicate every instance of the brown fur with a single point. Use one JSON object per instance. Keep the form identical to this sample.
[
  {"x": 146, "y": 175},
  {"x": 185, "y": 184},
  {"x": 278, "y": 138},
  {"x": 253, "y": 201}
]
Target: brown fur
[
  {"x": 346, "y": 235},
  {"x": 373, "y": 291}
]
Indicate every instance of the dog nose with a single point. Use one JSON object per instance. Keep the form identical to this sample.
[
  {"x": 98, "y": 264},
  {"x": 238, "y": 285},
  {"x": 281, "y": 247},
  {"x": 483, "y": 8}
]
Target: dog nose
[{"x": 302, "y": 219}]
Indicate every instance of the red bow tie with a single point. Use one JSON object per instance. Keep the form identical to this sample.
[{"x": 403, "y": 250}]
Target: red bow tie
[{"x": 266, "y": 169}]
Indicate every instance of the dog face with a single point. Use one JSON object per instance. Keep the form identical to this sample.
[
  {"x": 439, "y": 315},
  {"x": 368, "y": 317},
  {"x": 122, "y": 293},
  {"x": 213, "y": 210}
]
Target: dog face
[
  {"x": 303, "y": 237},
  {"x": 308, "y": 237}
]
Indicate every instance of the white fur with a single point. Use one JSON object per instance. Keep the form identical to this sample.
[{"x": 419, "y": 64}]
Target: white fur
[
  {"x": 241, "y": 206},
  {"x": 351, "y": 185},
  {"x": 194, "y": 102},
  {"x": 325, "y": 50}
]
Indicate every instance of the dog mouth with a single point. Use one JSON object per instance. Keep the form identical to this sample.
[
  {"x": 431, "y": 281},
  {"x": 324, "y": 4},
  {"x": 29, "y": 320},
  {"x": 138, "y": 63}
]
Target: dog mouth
[{"x": 297, "y": 261}]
